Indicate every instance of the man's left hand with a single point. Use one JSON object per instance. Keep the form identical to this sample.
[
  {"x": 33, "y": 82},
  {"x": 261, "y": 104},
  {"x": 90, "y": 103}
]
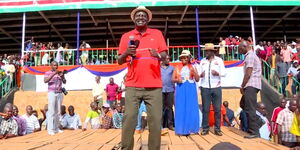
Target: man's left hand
[
  {"x": 242, "y": 90},
  {"x": 154, "y": 53}
]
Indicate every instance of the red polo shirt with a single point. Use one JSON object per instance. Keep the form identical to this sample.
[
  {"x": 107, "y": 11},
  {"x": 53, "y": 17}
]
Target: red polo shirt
[{"x": 145, "y": 69}]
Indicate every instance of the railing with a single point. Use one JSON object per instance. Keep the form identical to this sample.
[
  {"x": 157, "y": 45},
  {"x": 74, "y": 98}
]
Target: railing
[
  {"x": 7, "y": 84},
  {"x": 280, "y": 84},
  {"x": 97, "y": 56}
]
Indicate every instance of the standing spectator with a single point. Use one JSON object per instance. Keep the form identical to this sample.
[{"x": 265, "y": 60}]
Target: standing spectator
[
  {"x": 293, "y": 47},
  {"x": 59, "y": 58},
  {"x": 112, "y": 92},
  {"x": 272, "y": 60},
  {"x": 92, "y": 117},
  {"x": 55, "y": 79},
  {"x": 249, "y": 40},
  {"x": 293, "y": 72},
  {"x": 269, "y": 49},
  {"x": 106, "y": 117},
  {"x": 211, "y": 70},
  {"x": 222, "y": 45},
  {"x": 32, "y": 122},
  {"x": 8, "y": 126},
  {"x": 72, "y": 120},
  {"x": 281, "y": 72},
  {"x": 118, "y": 117},
  {"x": 98, "y": 91},
  {"x": 274, "y": 125},
  {"x": 250, "y": 86},
  {"x": 185, "y": 76},
  {"x": 84, "y": 53},
  {"x": 244, "y": 125},
  {"x": 286, "y": 54},
  {"x": 143, "y": 81},
  {"x": 10, "y": 70},
  {"x": 264, "y": 130},
  {"x": 168, "y": 94},
  {"x": 260, "y": 51},
  {"x": 285, "y": 121},
  {"x": 229, "y": 114},
  {"x": 20, "y": 121}
]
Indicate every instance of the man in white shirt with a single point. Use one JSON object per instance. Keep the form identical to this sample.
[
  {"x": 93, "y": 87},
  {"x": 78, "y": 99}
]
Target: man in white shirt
[
  {"x": 211, "y": 69},
  {"x": 10, "y": 69},
  {"x": 98, "y": 91},
  {"x": 72, "y": 120},
  {"x": 59, "y": 56},
  {"x": 84, "y": 53},
  {"x": 32, "y": 122}
]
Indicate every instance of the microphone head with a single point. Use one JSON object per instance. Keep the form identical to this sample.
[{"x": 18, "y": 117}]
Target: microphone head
[{"x": 131, "y": 38}]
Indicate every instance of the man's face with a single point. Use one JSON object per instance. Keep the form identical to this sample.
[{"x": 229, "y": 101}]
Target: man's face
[
  {"x": 242, "y": 49},
  {"x": 184, "y": 60},
  {"x": 71, "y": 111},
  {"x": 141, "y": 19},
  {"x": 15, "y": 111},
  {"x": 29, "y": 110},
  {"x": 293, "y": 106},
  {"x": 54, "y": 65},
  {"x": 63, "y": 110},
  {"x": 105, "y": 109},
  {"x": 283, "y": 103},
  {"x": 209, "y": 54},
  {"x": 9, "y": 112},
  {"x": 97, "y": 79},
  {"x": 111, "y": 80},
  {"x": 167, "y": 60}
]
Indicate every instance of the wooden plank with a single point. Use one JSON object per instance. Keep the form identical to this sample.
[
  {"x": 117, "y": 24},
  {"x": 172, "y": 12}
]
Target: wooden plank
[
  {"x": 183, "y": 147},
  {"x": 175, "y": 139},
  {"x": 202, "y": 143},
  {"x": 137, "y": 141},
  {"x": 186, "y": 140}
]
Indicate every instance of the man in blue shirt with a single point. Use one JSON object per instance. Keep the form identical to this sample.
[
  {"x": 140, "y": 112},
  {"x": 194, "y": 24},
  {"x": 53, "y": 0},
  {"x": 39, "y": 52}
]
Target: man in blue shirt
[
  {"x": 229, "y": 113},
  {"x": 72, "y": 120},
  {"x": 168, "y": 93}
]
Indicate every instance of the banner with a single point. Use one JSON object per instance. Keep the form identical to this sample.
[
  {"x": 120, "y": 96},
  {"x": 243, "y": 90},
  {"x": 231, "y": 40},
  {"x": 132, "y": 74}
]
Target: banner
[
  {"x": 9, "y": 6},
  {"x": 83, "y": 77}
]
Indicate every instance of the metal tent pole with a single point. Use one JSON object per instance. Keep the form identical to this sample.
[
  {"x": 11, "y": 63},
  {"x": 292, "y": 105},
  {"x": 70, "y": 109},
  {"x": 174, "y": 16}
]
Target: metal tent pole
[
  {"x": 252, "y": 26},
  {"x": 198, "y": 34}
]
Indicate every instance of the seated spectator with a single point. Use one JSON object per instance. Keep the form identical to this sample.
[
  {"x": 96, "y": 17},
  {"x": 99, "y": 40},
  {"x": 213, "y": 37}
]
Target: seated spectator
[
  {"x": 62, "y": 116},
  {"x": 264, "y": 130},
  {"x": 92, "y": 117},
  {"x": 41, "y": 120},
  {"x": 229, "y": 114},
  {"x": 72, "y": 120},
  {"x": 223, "y": 116},
  {"x": 118, "y": 117},
  {"x": 32, "y": 122},
  {"x": 243, "y": 116},
  {"x": 293, "y": 72},
  {"x": 20, "y": 121},
  {"x": 8, "y": 126},
  {"x": 106, "y": 117},
  {"x": 285, "y": 121},
  {"x": 141, "y": 119}
]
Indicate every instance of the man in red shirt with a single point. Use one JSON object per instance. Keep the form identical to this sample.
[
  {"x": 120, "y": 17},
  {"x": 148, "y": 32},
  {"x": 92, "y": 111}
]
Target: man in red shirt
[
  {"x": 274, "y": 118},
  {"x": 142, "y": 49},
  {"x": 112, "y": 92}
]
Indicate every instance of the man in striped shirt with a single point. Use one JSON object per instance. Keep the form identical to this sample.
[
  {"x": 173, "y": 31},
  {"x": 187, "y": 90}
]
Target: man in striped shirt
[
  {"x": 250, "y": 87},
  {"x": 285, "y": 121}
]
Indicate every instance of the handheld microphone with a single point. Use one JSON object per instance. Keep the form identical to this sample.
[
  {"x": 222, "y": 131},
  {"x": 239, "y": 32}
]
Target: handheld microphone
[{"x": 131, "y": 40}]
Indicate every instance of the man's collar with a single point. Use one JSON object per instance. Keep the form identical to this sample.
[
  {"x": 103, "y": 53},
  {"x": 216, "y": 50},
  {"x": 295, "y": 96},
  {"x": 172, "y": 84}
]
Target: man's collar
[{"x": 136, "y": 32}]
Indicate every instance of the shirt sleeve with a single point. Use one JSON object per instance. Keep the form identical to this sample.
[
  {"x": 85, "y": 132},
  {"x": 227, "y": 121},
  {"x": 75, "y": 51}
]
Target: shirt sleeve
[
  {"x": 249, "y": 61},
  {"x": 123, "y": 44},
  {"x": 162, "y": 43},
  {"x": 65, "y": 122},
  {"x": 14, "y": 130},
  {"x": 36, "y": 123},
  {"x": 79, "y": 121},
  {"x": 280, "y": 118},
  {"x": 222, "y": 72}
]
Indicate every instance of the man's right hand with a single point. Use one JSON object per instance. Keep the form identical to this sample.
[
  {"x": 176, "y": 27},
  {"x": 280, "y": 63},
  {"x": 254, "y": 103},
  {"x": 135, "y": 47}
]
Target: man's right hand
[
  {"x": 202, "y": 74},
  {"x": 131, "y": 50}
]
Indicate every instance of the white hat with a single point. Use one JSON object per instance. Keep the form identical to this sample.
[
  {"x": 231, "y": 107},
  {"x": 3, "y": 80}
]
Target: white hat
[
  {"x": 141, "y": 8},
  {"x": 295, "y": 61},
  {"x": 294, "y": 43},
  {"x": 185, "y": 53},
  {"x": 106, "y": 105}
]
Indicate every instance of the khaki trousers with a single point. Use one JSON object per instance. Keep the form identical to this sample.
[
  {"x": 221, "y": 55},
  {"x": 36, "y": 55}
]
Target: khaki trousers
[{"x": 153, "y": 100}]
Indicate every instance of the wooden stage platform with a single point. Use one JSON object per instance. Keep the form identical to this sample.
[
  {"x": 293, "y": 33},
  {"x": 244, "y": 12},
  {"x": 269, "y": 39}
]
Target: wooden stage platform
[{"x": 109, "y": 139}]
